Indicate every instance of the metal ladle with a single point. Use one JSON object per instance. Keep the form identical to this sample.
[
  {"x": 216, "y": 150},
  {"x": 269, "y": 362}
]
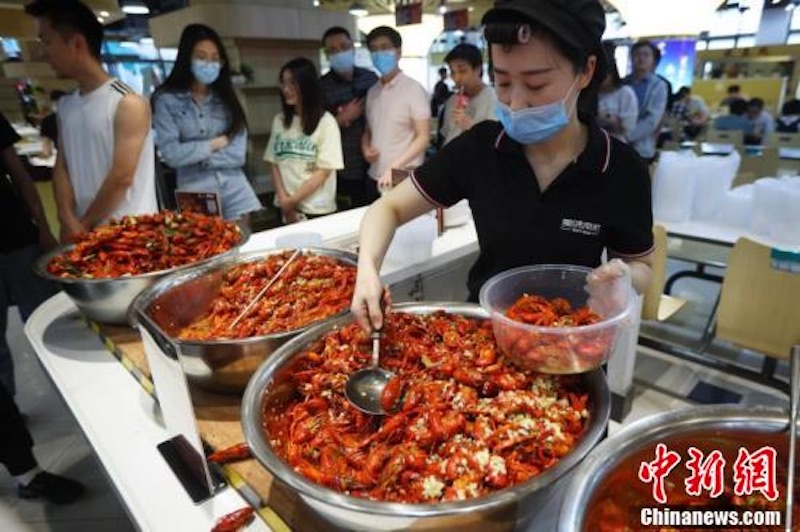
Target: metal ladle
[
  {"x": 365, "y": 387},
  {"x": 794, "y": 383}
]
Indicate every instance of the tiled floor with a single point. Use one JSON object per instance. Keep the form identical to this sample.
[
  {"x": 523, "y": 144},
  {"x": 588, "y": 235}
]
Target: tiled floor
[
  {"x": 661, "y": 383},
  {"x": 59, "y": 447}
]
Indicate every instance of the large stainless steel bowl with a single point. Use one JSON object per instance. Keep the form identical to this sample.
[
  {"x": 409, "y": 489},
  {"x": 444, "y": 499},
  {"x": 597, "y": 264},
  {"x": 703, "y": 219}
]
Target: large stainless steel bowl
[
  {"x": 175, "y": 302},
  {"x": 647, "y": 432},
  {"x": 503, "y": 509},
  {"x": 108, "y": 300}
]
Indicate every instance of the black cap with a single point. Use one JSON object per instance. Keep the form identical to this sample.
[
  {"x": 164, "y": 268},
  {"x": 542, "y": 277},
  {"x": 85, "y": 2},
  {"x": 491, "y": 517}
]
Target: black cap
[{"x": 579, "y": 23}]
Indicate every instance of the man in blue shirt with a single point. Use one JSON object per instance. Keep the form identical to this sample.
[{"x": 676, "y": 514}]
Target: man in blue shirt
[
  {"x": 345, "y": 89},
  {"x": 651, "y": 92},
  {"x": 735, "y": 120}
]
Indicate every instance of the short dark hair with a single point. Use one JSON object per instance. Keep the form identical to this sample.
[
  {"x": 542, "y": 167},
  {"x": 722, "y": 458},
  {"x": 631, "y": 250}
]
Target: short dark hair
[
  {"x": 385, "y": 31},
  {"x": 644, "y": 42},
  {"x": 468, "y": 53},
  {"x": 305, "y": 76},
  {"x": 683, "y": 91},
  {"x": 613, "y": 71},
  {"x": 69, "y": 17},
  {"x": 56, "y": 95},
  {"x": 738, "y": 106},
  {"x": 791, "y": 108},
  {"x": 756, "y": 102},
  {"x": 734, "y": 88},
  {"x": 335, "y": 30}
]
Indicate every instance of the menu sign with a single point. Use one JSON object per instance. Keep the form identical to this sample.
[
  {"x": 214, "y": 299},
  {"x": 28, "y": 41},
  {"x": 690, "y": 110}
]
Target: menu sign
[
  {"x": 409, "y": 13},
  {"x": 456, "y": 20},
  {"x": 203, "y": 202}
]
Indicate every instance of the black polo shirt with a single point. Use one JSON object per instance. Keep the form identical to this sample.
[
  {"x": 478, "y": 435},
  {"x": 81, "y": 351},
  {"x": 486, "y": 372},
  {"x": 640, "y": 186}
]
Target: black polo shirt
[
  {"x": 18, "y": 229},
  {"x": 602, "y": 200}
]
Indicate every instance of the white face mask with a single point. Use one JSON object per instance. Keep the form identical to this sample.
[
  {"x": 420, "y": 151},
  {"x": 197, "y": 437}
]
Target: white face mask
[{"x": 536, "y": 124}]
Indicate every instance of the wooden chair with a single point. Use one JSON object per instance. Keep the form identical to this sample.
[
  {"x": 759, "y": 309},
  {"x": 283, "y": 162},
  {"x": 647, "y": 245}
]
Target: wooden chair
[
  {"x": 719, "y": 136},
  {"x": 658, "y": 306},
  {"x": 755, "y": 167},
  {"x": 671, "y": 145},
  {"x": 783, "y": 140},
  {"x": 758, "y": 306}
]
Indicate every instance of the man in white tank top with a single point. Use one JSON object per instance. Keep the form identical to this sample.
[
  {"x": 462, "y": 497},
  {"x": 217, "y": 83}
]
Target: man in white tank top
[{"x": 105, "y": 166}]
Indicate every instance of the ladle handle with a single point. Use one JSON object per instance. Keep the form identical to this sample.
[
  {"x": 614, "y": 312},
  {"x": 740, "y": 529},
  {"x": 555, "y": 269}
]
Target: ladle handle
[
  {"x": 794, "y": 383},
  {"x": 376, "y": 333}
]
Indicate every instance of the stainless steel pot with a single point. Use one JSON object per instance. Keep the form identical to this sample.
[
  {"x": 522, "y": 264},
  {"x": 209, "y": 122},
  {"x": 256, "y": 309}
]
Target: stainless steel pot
[
  {"x": 603, "y": 460},
  {"x": 502, "y": 509},
  {"x": 176, "y": 301},
  {"x": 108, "y": 300}
]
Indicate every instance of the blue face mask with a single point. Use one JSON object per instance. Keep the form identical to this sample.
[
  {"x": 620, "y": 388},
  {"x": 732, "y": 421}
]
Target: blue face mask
[
  {"x": 206, "y": 72},
  {"x": 385, "y": 61},
  {"x": 343, "y": 61},
  {"x": 534, "y": 124}
]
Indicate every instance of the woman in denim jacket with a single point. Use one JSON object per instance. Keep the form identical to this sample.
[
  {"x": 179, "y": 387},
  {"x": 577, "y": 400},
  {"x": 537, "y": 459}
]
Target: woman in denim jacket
[{"x": 201, "y": 130}]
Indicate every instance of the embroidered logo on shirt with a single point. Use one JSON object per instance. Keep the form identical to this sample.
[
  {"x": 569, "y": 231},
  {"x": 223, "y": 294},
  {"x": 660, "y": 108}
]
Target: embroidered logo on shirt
[{"x": 580, "y": 227}]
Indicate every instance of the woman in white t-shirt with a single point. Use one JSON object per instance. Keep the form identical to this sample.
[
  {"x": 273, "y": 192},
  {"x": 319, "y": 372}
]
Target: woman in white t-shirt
[
  {"x": 305, "y": 147},
  {"x": 617, "y": 106}
]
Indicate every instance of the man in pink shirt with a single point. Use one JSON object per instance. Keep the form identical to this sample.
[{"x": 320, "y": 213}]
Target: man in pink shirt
[{"x": 398, "y": 113}]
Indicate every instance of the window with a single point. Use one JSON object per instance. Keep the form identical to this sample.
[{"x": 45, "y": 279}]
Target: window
[
  {"x": 726, "y": 22},
  {"x": 721, "y": 44},
  {"x": 746, "y": 41}
]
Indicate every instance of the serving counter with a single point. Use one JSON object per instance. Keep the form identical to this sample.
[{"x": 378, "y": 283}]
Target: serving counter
[{"x": 102, "y": 374}]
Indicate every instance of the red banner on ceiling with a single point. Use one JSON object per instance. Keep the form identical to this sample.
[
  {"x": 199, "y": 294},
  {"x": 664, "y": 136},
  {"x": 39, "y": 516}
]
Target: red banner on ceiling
[
  {"x": 456, "y": 20},
  {"x": 409, "y": 13}
]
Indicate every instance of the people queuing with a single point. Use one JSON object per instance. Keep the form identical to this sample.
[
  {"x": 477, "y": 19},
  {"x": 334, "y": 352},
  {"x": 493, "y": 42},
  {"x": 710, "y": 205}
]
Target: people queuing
[
  {"x": 345, "y": 88},
  {"x": 201, "y": 129},
  {"x": 105, "y": 165},
  {"x": 473, "y": 101},
  {"x": 398, "y": 113},
  {"x": 305, "y": 147}
]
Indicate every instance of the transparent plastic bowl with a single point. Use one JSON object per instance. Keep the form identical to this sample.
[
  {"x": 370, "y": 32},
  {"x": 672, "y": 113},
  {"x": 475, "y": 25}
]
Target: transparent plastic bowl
[{"x": 556, "y": 350}]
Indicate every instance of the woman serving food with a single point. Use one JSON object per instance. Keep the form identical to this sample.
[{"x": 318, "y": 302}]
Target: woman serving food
[{"x": 546, "y": 184}]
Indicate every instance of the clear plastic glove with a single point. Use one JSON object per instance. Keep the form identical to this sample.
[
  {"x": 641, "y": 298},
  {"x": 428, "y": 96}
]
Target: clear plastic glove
[
  {"x": 609, "y": 287},
  {"x": 370, "y": 298}
]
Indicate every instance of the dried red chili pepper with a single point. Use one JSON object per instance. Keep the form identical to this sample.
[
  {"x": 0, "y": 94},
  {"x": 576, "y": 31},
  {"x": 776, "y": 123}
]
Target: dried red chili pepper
[
  {"x": 240, "y": 451},
  {"x": 234, "y": 521}
]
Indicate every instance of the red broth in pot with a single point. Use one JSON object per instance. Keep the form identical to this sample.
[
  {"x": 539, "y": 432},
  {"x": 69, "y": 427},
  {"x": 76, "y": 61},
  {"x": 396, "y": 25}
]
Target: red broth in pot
[{"x": 618, "y": 503}]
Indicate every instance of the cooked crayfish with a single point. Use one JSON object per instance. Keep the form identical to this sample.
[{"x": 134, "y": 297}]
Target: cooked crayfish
[{"x": 462, "y": 421}]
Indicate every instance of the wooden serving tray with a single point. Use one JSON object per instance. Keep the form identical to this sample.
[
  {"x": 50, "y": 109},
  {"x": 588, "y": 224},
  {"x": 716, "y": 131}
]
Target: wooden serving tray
[{"x": 219, "y": 422}]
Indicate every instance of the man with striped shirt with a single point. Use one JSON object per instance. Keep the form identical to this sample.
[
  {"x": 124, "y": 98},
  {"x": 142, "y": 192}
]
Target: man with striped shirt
[{"x": 105, "y": 167}]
